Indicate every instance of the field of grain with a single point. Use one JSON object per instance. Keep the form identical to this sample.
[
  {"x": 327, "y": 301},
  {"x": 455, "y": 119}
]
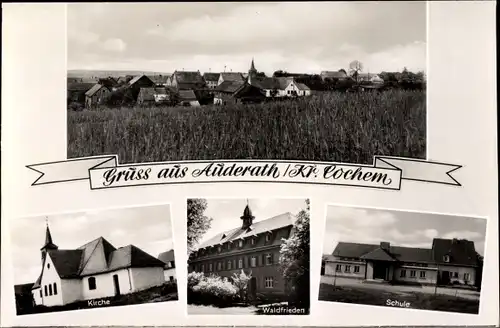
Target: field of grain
[{"x": 346, "y": 127}]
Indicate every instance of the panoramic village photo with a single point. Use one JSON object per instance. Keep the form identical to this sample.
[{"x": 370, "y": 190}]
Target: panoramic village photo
[
  {"x": 248, "y": 256},
  {"x": 402, "y": 259},
  {"x": 329, "y": 81},
  {"x": 93, "y": 259}
]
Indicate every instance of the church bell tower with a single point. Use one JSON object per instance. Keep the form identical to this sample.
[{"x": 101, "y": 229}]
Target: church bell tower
[{"x": 49, "y": 244}]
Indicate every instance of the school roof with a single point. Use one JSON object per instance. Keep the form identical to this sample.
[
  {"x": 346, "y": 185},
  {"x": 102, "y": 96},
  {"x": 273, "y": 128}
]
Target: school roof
[
  {"x": 276, "y": 222},
  {"x": 459, "y": 252},
  {"x": 104, "y": 257}
]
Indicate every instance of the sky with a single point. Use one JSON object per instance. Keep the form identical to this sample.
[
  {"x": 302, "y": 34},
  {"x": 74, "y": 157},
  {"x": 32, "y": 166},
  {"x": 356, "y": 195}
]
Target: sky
[
  {"x": 410, "y": 229},
  {"x": 148, "y": 228},
  {"x": 226, "y": 213},
  {"x": 304, "y": 37}
]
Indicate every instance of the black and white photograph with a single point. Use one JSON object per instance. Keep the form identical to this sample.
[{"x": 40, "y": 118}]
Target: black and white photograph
[
  {"x": 93, "y": 259},
  {"x": 402, "y": 259},
  {"x": 314, "y": 81},
  {"x": 248, "y": 256}
]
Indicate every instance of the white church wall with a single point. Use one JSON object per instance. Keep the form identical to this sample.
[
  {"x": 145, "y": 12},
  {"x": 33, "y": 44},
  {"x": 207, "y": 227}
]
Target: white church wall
[
  {"x": 143, "y": 278},
  {"x": 49, "y": 277},
  {"x": 105, "y": 286},
  {"x": 36, "y": 296},
  {"x": 170, "y": 273},
  {"x": 71, "y": 290}
]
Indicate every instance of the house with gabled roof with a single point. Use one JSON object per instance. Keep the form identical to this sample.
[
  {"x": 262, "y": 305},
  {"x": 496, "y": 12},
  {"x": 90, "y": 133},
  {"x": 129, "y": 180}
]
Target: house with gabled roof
[
  {"x": 169, "y": 269},
  {"x": 93, "y": 271},
  {"x": 448, "y": 262},
  {"x": 230, "y": 77},
  {"x": 252, "y": 246},
  {"x": 211, "y": 79},
  {"x": 187, "y": 80},
  {"x": 96, "y": 95}
]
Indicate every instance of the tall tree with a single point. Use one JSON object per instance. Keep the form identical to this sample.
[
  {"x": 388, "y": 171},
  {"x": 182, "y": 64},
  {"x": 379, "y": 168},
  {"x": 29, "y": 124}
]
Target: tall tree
[
  {"x": 197, "y": 222},
  {"x": 295, "y": 261}
]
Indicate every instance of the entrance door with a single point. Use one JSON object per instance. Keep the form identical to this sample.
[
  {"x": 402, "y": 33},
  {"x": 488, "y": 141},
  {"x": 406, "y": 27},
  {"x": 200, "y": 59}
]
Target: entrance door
[
  {"x": 116, "y": 283},
  {"x": 379, "y": 271},
  {"x": 252, "y": 288},
  {"x": 445, "y": 278}
]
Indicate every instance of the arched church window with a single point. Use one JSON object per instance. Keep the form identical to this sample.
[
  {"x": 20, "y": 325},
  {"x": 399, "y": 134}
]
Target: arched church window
[
  {"x": 92, "y": 284},
  {"x": 48, "y": 265}
]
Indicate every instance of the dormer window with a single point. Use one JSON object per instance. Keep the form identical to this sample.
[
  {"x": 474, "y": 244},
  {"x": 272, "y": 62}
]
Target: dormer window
[
  {"x": 240, "y": 243},
  {"x": 253, "y": 241},
  {"x": 268, "y": 237},
  {"x": 219, "y": 249},
  {"x": 446, "y": 258}
]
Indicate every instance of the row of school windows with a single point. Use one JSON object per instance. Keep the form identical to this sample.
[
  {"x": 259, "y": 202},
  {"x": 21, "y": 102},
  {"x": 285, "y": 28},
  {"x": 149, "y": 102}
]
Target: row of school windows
[
  {"x": 347, "y": 268},
  {"x": 236, "y": 264},
  {"x": 49, "y": 290},
  {"x": 239, "y": 244}
]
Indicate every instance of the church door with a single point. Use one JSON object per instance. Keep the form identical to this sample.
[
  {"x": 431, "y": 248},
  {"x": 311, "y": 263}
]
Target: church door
[{"x": 116, "y": 282}]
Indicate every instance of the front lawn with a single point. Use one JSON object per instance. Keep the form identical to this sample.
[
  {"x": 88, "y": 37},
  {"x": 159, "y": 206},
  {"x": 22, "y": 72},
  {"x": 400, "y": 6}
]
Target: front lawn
[{"x": 415, "y": 300}]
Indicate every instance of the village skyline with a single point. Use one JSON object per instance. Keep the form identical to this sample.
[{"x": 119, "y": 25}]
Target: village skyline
[{"x": 293, "y": 37}]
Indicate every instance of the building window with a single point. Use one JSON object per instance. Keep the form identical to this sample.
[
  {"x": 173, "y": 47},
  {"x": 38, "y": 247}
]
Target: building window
[
  {"x": 40, "y": 293},
  {"x": 455, "y": 274},
  {"x": 240, "y": 243},
  {"x": 338, "y": 268},
  {"x": 210, "y": 268},
  {"x": 356, "y": 268},
  {"x": 55, "y": 289},
  {"x": 253, "y": 241},
  {"x": 269, "y": 259},
  {"x": 219, "y": 265},
  {"x": 403, "y": 273},
  {"x": 240, "y": 263},
  {"x": 92, "y": 283},
  {"x": 466, "y": 277},
  {"x": 348, "y": 268},
  {"x": 45, "y": 289},
  {"x": 171, "y": 278},
  {"x": 413, "y": 273},
  {"x": 203, "y": 268},
  {"x": 269, "y": 282},
  {"x": 50, "y": 289},
  {"x": 446, "y": 258},
  {"x": 219, "y": 249},
  {"x": 253, "y": 261},
  {"x": 268, "y": 237},
  {"x": 229, "y": 263},
  {"x": 422, "y": 274}
]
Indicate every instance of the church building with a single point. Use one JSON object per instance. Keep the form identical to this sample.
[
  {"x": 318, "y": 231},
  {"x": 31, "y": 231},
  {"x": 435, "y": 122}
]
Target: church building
[
  {"x": 93, "y": 271},
  {"x": 252, "y": 247}
]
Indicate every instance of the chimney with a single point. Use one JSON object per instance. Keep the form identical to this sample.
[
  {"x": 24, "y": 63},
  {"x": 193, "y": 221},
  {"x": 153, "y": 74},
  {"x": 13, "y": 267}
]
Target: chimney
[{"x": 385, "y": 246}]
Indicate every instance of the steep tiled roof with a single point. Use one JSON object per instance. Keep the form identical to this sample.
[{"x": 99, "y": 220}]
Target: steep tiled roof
[
  {"x": 459, "y": 251},
  {"x": 266, "y": 83},
  {"x": 378, "y": 254},
  {"x": 167, "y": 256},
  {"x": 159, "y": 79},
  {"x": 66, "y": 262},
  {"x": 276, "y": 222},
  {"x": 302, "y": 86},
  {"x": 93, "y": 90},
  {"x": 188, "y": 77},
  {"x": 229, "y": 86},
  {"x": 214, "y": 77},
  {"x": 83, "y": 87},
  {"x": 187, "y": 95},
  {"x": 232, "y": 76},
  {"x": 132, "y": 257},
  {"x": 137, "y": 78}
]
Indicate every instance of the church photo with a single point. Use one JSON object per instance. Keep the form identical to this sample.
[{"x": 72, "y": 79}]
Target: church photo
[
  {"x": 248, "y": 256},
  {"x": 93, "y": 259}
]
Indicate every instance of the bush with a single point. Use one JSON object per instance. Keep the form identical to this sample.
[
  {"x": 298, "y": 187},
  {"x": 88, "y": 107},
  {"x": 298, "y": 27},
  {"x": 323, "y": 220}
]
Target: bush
[{"x": 211, "y": 290}]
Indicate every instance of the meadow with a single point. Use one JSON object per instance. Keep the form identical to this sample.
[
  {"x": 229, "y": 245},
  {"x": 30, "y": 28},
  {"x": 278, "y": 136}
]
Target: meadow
[{"x": 334, "y": 126}]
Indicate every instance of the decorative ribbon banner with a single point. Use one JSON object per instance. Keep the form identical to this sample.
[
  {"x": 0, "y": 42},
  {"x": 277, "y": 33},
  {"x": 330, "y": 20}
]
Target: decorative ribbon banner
[{"x": 104, "y": 172}]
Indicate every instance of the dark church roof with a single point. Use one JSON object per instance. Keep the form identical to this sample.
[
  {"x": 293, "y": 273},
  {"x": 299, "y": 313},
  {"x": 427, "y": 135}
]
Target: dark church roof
[
  {"x": 460, "y": 252},
  {"x": 276, "y": 222},
  {"x": 72, "y": 263}
]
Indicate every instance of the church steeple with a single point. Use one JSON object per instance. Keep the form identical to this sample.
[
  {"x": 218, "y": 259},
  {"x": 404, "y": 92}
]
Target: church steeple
[
  {"x": 247, "y": 217},
  {"x": 49, "y": 244},
  {"x": 252, "y": 71}
]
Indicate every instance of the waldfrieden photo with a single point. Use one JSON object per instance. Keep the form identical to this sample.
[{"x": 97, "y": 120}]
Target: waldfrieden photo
[
  {"x": 248, "y": 256},
  {"x": 93, "y": 259},
  {"x": 315, "y": 81},
  {"x": 402, "y": 259}
]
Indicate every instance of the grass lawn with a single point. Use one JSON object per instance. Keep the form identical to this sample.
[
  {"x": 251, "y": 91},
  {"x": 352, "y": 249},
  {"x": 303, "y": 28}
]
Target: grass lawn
[
  {"x": 345, "y": 127},
  {"x": 206, "y": 309},
  {"x": 164, "y": 293},
  {"x": 370, "y": 296}
]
